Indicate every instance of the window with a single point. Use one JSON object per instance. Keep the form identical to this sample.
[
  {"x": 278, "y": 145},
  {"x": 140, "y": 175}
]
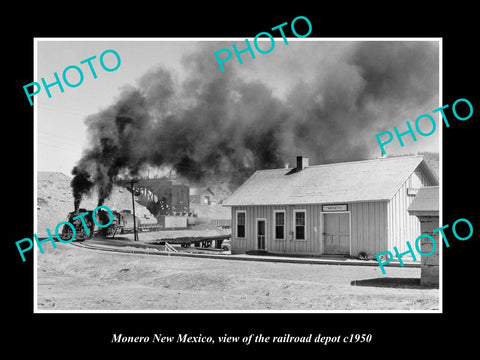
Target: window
[
  {"x": 241, "y": 224},
  {"x": 299, "y": 224},
  {"x": 279, "y": 224}
]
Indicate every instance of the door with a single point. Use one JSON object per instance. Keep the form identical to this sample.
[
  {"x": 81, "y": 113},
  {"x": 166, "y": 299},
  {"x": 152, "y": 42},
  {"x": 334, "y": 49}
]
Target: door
[
  {"x": 260, "y": 234},
  {"x": 336, "y": 233}
]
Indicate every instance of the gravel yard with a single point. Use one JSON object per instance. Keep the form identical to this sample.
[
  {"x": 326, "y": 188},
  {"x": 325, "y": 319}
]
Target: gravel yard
[{"x": 72, "y": 278}]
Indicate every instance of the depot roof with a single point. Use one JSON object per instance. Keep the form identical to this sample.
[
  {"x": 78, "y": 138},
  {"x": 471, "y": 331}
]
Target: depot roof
[{"x": 368, "y": 180}]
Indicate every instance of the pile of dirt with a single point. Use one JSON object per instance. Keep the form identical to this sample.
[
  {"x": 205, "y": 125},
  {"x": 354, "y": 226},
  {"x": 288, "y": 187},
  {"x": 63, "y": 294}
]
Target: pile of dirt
[{"x": 55, "y": 201}]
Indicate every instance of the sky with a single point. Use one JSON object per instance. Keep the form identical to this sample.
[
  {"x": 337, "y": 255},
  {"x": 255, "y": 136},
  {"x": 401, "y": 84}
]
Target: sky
[
  {"x": 302, "y": 73},
  {"x": 61, "y": 131}
]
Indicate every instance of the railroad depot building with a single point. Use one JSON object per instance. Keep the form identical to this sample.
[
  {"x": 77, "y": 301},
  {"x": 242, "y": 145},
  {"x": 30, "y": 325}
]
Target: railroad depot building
[{"x": 344, "y": 208}]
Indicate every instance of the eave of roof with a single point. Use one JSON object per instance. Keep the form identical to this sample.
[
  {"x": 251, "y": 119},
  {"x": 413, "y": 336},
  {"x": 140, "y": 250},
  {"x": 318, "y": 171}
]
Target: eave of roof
[{"x": 367, "y": 180}]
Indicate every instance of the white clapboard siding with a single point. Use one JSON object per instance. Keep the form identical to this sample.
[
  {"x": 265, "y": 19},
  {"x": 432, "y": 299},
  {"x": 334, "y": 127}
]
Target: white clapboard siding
[
  {"x": 368, "y": 228},
  {"x": 402, "y": 226}
]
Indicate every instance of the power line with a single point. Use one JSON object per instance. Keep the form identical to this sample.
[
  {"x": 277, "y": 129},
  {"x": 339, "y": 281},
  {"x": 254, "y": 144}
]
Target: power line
[
  {"x": 65, "y": 148},
  {"x": 51, "y": 138},
  {"x": 66, "y": 111}
]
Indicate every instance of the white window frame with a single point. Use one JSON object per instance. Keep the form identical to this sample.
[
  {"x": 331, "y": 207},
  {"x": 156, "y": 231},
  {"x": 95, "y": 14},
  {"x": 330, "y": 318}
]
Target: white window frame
[
  {"x": 294, "y": 225},
  {"x": 284, "y": 225},
  {"x": 236, "y": 223}
]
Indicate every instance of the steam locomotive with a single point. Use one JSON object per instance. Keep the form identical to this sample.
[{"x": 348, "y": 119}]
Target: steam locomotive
[
  {"x": 122, "y": 223},
  {"x": 91, "y": 228}
]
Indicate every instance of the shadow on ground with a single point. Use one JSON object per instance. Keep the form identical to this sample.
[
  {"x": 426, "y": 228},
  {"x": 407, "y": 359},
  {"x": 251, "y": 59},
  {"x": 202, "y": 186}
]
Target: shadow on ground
[
  {"x": 330, "y": 257},
  {"x": 390, "y": 282}
]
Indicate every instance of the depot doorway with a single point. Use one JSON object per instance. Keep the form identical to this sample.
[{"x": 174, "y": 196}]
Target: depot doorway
[
  {"x": 261, "y": 234},
  {"x": 336, "y": 233}
]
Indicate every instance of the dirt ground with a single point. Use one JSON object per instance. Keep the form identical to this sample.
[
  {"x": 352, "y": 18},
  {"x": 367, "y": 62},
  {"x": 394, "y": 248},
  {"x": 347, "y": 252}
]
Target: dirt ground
[{"x": 72, "y": 278}]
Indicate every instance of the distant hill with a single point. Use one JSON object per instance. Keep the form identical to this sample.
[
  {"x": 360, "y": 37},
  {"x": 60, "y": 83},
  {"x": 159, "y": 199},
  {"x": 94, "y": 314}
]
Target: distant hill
[
  {"x": 433, "y": 160},
  {"x": 55, "y": 201}
]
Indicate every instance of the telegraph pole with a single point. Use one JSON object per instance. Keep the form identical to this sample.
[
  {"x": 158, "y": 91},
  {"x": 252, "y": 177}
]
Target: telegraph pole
[{"x": 135, "y": 235}]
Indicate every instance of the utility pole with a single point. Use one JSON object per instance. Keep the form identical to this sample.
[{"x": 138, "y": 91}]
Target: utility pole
[{"x": 135, "y": 235}]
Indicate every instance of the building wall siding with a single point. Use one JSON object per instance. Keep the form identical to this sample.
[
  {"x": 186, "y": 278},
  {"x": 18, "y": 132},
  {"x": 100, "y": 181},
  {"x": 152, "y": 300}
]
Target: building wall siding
[
  {"x": 368, "y": 228},
  {"x": 309, "y": 246},
  {"x": 402, "y": 226}
]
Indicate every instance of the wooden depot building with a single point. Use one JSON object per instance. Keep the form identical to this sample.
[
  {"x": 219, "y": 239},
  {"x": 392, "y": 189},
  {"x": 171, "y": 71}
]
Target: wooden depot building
[{"x": 344, "y": 208}]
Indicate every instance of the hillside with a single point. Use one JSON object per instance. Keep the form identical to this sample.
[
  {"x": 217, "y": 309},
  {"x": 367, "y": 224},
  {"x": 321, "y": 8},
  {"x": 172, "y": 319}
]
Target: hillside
[
  {"x": 55, "y": 201},
  {"x": 433, "y": 160}
]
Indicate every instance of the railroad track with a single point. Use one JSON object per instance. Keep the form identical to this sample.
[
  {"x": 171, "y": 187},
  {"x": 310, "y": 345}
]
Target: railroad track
[
  {"x": 274, "y": 259},
  {"x": 147, "y": 250},
  {"x": 143, "y": 251}
]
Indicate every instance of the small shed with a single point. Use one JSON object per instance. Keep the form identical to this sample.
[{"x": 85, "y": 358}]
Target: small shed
[
  {"x": 172, "y": 222},
  {"x": 203, "y": 195},
  {"x": 342, "y": 208},
  {"x": 425, "y": 206}
]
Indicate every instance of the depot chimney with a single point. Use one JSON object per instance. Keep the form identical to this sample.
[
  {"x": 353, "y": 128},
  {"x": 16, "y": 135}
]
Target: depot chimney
[{"x": 302, "y": 163}]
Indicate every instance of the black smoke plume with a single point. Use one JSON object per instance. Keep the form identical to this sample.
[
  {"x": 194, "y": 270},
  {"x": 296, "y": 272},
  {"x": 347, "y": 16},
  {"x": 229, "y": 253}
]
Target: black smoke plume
[
  {"x": 81, "y": 184},
  {"x": 222, "y": 126}
]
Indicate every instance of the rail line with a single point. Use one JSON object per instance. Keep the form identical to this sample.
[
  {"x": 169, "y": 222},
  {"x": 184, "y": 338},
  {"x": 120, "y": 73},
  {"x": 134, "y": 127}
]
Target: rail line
[
  {"x": 275, "y": 259},
  {"x": 147, "y": 250},
  {"x": 142, "y": 251}
]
